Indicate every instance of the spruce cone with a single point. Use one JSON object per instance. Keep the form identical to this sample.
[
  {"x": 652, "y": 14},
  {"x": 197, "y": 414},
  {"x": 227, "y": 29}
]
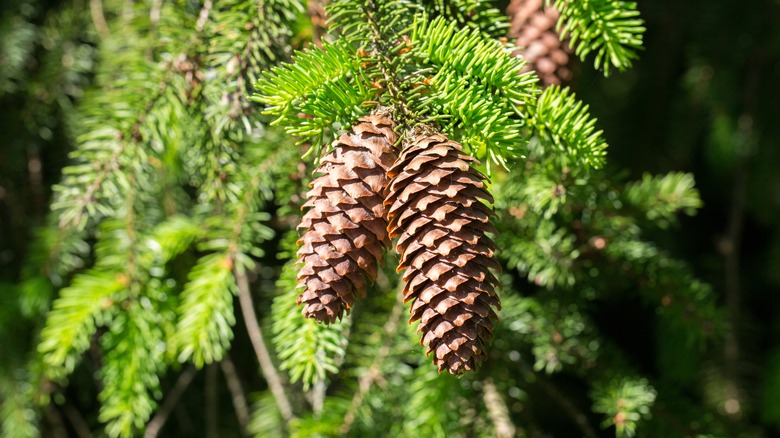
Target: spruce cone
[
  {"x": 319, "y": 20},
  {"x": 434, "y": 205},
  {"x": 533, "y": 27},
  {"x": 346, "y": 230}
]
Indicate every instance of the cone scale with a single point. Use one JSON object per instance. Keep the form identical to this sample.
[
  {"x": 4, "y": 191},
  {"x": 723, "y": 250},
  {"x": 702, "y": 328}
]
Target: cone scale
[
  {"x": 435, "y": 207},
  {"x": 345, "y": 228}
]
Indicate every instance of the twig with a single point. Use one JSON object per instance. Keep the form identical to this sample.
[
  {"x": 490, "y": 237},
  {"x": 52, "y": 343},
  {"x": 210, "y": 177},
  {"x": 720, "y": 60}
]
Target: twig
[
  {"x": 170, "y": 402},
  {"x": 104, "y": 170},
  {"x": 57, "y": 429},
  {"x": 497, "y": 410},
  {"x": 580, "y": 419},
  {"x": 385, "y": 66},
  {"x": 731, "y": 347},
  {"x": 111, "y": 164},
  {"x": 98, "y": 19},
  {"x": 373, "y": 373},
  {"x": 317, "y": 394},
  {"x": 317, "y": 397},
  {"x": 76, "y": 420},
  {"x": 732, "y": 246},
  {"x": 236, "y": 394},
  {"x": 211, "y": 405},
  {"x": 261, "y": 351}
]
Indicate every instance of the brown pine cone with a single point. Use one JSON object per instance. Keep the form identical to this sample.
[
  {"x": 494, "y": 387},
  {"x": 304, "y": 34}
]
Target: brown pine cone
[
  {"x": 346, "y": 229},
  {"x": 434, "y": 206},
  {"x": 533, "y": 29},
  {"x": 319, "y": 20}
]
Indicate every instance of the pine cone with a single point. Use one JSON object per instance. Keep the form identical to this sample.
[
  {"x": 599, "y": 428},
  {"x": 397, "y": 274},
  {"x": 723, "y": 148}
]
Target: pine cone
[
  {"x": 319, "y": 20},
  {"x": 346, "y": 229},
  {"x": 533, "y": 27},
  {"x": 434, "y": 205}
]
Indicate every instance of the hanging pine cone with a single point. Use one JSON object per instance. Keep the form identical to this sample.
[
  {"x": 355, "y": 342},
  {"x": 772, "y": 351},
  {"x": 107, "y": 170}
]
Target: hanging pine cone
[
  {"x": 434, "y": 206},
  {"x": 533, "y": 28},
  {"x": 346, "y": 230}
]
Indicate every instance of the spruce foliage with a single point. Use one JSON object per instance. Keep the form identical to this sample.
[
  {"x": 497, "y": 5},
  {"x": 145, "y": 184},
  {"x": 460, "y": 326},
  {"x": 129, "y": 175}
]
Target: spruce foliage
[{"x": 168, "y": 246}]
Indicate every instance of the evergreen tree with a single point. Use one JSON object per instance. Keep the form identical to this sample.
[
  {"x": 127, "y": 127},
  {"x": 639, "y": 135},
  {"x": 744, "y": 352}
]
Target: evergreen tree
[{"x": 171, "y": 250}]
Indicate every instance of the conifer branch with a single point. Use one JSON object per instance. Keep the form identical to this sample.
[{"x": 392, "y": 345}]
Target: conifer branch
[
  {"x": 266, "y": 420},
  {"x": 388, "y": 51},
  {"x": 130, "y": 371},
  {"x": 565, "y": 121},
  {"x": 80, "y": 308},
  {"x": 158, "y": 421},
  {"x": 373, "y": 373},
  {"x": 98, "y": 19},
  {"x": 95, "y": 185},
  {"x": 236, "y": 393},
  {"x": 204, "y": 328},
  {"x": 206, "y": 312},
  {"x": 125, "y": 406},
  {"x": 19, "y": 413},
  {"x": 105, "y": 168},
  {"x": 692, "y": 300},
  {"x": 55, "y": 252},
  {"x": 233, "y": 243},
  {"x": 247, "y": 37},
  {"x": 327, "y": 86},
  {"x": 478, "y": 94},
  {"x": 611, "y": 29},
  {"x": 625, "y": 401},
  {"x": 497, "y": 410},
  {"x": 660, "y": 198},
  {"x": 436, "y": 404},
  {"x": 475, "y": 14},
  {"x": 261, "y": 351},
  {"x": 307, "y": 350},
  {"x": 176, "y": 124},
  {"x": 351, "y": 18},
  {"x": 272, "y": 28}
]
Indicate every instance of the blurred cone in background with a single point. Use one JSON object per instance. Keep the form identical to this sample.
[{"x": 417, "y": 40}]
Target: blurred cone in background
[{"x": 533, "y": 30}]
